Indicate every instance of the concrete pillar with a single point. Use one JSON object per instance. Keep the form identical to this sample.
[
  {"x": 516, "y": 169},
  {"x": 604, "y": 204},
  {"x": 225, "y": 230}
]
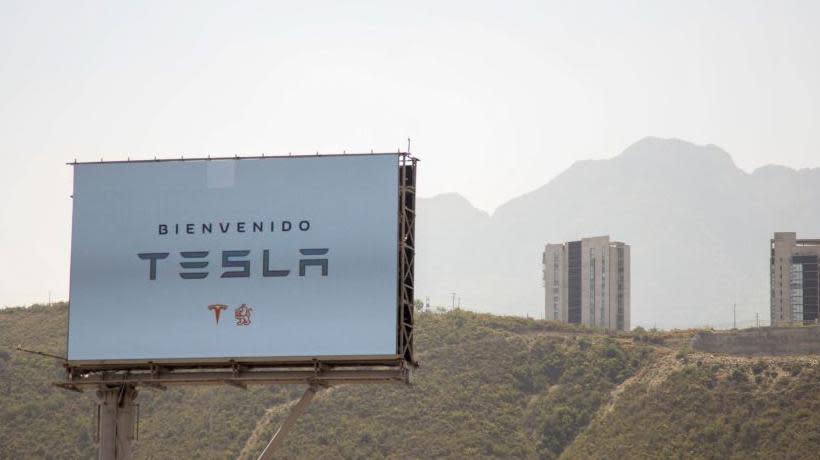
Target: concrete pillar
[{"x": 117, "y": 415}]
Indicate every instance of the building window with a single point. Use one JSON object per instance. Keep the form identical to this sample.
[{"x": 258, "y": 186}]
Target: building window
[
  {"x": 555, "y": 289},
  {"x": 574, "y": 289},
  {"x": 592, "y": 286},
  {"x": 602, "y": 309},
  {"x": 620, "y": 319},
  {"x": 796, "y": 292}
]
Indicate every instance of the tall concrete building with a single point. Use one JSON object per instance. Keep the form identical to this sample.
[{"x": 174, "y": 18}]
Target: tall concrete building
[
  {"x": 587, "y": 282},
  {"x": 794, "y": 280}
]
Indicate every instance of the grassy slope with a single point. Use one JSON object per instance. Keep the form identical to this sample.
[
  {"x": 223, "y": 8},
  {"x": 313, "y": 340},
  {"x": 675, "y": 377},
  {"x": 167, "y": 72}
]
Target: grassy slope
[
  {"x": 38, "y": 420},
  {"x": 703, "y": 406},
  {"x": 487, "y": 387}
]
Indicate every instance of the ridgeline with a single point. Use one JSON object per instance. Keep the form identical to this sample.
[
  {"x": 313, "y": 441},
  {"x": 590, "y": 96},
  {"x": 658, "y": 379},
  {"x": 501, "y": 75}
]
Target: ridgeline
[{"x": 488, "y": 386}]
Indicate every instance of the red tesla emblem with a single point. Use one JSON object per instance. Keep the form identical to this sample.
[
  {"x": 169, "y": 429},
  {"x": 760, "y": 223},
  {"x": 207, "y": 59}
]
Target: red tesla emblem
[{"x": 217, "y": 309}]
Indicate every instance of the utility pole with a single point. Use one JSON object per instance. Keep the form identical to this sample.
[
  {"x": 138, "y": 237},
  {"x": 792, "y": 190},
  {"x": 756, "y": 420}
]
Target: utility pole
[
  {"x": 734, "y": 316},
  {"x": 757, "y": 319},
  {"x": 117, "y": 414},
  {"x": 453, "y": 304},
  {"x": 459, "y": 303}
]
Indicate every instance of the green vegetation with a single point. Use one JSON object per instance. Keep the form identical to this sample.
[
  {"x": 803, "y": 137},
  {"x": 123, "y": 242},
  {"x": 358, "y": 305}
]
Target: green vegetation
[
  {"x": 38, "y": 420},
  {"x": 713, "y": 408},
  {"x": 488, "y": 386}
]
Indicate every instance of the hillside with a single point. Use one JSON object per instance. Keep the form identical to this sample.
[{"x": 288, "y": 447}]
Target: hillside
[
  {"x": 692, "y": 217},
  {"x": 488, "y": 386}
]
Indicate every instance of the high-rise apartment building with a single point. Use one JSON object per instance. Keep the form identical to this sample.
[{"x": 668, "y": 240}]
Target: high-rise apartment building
[
  {"x": 587, "y": 282},
  {"x": 794, "y": 280}
]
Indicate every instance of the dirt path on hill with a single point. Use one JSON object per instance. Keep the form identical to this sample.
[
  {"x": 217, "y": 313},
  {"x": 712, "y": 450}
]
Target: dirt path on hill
[{"x": 266, "y": 420}]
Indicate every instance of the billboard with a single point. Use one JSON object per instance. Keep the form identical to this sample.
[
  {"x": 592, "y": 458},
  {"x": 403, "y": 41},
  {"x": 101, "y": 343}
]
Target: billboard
[{"x": 225, "y": 259}]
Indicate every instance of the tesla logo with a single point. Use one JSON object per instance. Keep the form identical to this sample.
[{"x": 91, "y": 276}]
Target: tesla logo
[
  {"x": 217, "y": 309},
  {"x": 242, "y": 314},
  {"x": 237, "y": 264}
]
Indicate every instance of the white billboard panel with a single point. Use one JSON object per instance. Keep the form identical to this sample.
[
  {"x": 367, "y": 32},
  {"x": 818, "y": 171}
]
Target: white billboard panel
[{"x": 236, "y": 258}]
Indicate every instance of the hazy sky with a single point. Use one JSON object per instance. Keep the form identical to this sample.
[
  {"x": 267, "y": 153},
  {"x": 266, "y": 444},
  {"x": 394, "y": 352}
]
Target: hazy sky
[{"x": 498, "y": 97}]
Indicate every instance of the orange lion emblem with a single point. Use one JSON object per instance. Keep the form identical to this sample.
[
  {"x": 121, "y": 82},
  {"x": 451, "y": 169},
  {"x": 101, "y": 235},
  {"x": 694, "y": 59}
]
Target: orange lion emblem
[{"x": 243, "y": 315}]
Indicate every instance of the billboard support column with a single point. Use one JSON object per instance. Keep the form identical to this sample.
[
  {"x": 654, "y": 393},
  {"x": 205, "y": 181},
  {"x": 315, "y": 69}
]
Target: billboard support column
[
  {"x": 116, "y": 416},
  {"x": 279, "y": 437},
  {"x": 407, "y": 251}
]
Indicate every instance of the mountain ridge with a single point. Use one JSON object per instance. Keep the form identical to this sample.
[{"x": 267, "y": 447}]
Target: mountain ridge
[
  {"x": 691, "y": 215},
  {"x": 763, "y": 169}
]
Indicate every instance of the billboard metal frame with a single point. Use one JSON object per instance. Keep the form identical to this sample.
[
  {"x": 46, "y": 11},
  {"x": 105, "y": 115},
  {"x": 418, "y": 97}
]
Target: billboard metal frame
[{"x": 324, "y": 371}]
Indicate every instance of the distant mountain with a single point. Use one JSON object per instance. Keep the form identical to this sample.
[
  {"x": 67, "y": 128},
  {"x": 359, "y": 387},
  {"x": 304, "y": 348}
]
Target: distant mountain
[{"x": 698, "y": 225}]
